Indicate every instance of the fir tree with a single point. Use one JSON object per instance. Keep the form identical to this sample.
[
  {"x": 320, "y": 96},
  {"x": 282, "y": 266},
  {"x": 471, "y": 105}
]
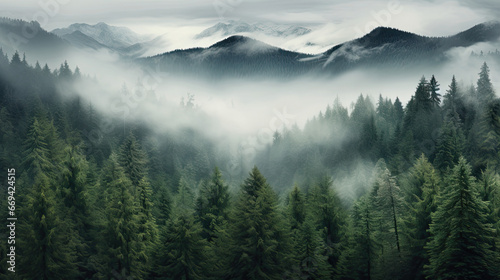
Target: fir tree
[
  {"x": 255, "y": 231},
  {"x": 325, "y": 206},
  {"x": 120, "y": 252},
  {"x": 485, "y": 91},
  {"x": 182, "y": 255},
  {"x": 460, "y": 228},
  {"x": 421, "y": 193},
  {"x": 212, "y": 203},
  {"x": 434, "y": 89},
  {"x": 133, "y": 160}
]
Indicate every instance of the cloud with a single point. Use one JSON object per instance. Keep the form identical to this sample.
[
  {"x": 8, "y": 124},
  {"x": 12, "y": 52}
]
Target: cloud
[{"x": 353, "y": 52}]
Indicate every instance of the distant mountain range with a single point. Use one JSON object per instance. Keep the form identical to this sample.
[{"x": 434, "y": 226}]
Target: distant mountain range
[
  {"x": 30, "y": 38},
  {"x": 103, "y": 36},
  {"x": 240, "y": 56},
  {"x": 237, "y": 27}
]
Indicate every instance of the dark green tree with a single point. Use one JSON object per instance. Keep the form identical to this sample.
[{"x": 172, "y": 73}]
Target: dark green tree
[
  {"x": 212, "y": 204},
  {"x": 421, "y": 190},
  {"x": 183, "y": 250},
  {"x": 460, "y": 228},
  {"x": 256, "y": 231},
  {"x": 485, "y": 91},
  {"x": 120, "y": 252},
  {"x": 450, "y": 144},
  {"x": 434, "y": 89},
  {"x": 133, "y": 160},
  {"x": 358, "y": 258},
  {"x": 46, "y": 246},
  {"x": 325, "y": 206}
]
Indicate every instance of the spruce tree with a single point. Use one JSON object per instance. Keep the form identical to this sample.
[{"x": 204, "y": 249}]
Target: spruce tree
[
  {"x": 310, "y": 253},
  {"x": 296, "y": 208},
  {"x": 255, "y": 231},
  {"x": 434, "y": 89},
  {"x": 459, "y": 246},
  {"x": 182, "y": 254},
  {"x": 422, "y": 188},
  {"x": 450, "y": 144},
  {"x": 358, "y": 258},
  {"x": 485, "y": 91},
  {"x": 133, "y": 160},
  {"x": 120, "y": 251},
  {"x": 76, "y": 211},
  {"x": 326, "y": 208},
  {"x": 212, "y": 204},
  {"x": 388, "y": 204},
  {"x": 45, "y": 243}
]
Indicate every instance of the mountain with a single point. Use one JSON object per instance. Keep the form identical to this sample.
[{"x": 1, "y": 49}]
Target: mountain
[
  {"x": 116, "y": 39},
  {"x": 32, "y": 39},
  {"x": 110, "y": 36},
  {"x": 239, "y": 56},
  {"x": 235, "y": 56},
  {"x": 395, "y": 48},
  {"x": 238, "y": 27}
]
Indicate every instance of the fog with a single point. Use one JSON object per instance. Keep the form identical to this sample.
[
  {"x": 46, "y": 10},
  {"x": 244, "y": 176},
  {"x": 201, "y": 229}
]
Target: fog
[
  {"x": 246, "y": 106},
  {"x": 239, "y": 116}
]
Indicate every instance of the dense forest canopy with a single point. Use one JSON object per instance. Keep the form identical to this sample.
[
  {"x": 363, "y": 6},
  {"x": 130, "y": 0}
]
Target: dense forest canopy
[{"x": 383, "y": 190}]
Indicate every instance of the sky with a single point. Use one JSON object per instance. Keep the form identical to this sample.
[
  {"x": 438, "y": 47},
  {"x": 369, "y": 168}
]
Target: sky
[{"x": 338, "y": 21}]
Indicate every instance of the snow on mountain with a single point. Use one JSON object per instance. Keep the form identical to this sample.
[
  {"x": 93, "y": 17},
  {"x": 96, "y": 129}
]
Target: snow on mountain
[
  {"x": 237, "y": 27},
  {"x": 110, "y": 36}
]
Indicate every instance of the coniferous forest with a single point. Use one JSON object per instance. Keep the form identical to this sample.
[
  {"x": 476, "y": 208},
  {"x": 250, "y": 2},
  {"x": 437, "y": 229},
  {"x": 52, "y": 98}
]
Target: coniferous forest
[{"x": 411, "y": 191}]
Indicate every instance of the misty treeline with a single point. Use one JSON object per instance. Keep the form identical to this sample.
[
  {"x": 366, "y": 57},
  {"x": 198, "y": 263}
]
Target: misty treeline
[{"x": 380, "y": 191}]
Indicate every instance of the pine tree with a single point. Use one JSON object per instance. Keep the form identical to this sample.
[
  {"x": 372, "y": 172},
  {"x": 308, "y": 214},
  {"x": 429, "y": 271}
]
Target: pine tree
[
  {"x": 451, "y": 99},
  {"x": 163, "y": 207},
  {"x": 182, "y": 255},
  {"x": 460, "y": 228},
  {"x": 147, "y": 232},
  {"x": 422, "y": 188},
  {"x": 45, "y": 241},
  {"x": 256, "y": 230},
  {"x": 388, "y": 203},
  {"x": 120, "y": 252},
  {"x": 47, "y": 252},
  {"x": 133, "y": 160},
  {"x": 212, "y": 204},
  {"x": 488, "y": 136},
  {"x": 434, "y": 89},
  {"x": 358, "y": 258},
  {"x": 485, "y": 91},
  {"x": 36, "y": 160},
  {"x": 310, "y": 253},
  {"x": 450, "y": 144},
  {"x": 184, "y": 199},
  {"x": 326, "y": 208},
  {"x": 76, "y": 211},
  {"x": 296, "y": 208}
]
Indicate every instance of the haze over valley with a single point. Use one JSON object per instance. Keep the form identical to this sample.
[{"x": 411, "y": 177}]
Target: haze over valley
[{"x": 250, "y": 139}]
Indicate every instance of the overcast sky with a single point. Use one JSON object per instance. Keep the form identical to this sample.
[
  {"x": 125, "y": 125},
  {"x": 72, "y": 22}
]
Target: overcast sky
[{"x": 345, "y": 19}]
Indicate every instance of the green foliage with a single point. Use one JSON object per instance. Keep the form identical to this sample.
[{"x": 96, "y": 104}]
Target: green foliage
[
  {"x": 212, "y": 204},
  {"x": 460, "y": 228},
  {"x": 183, "y": 250},
  {"x": 121, "y": 250},
  {"x": 421, "y": 190},
  {"x": 135, "y": 214},
  {"x": 255, "y": 231},
  {"x": 326, "y": 208}
]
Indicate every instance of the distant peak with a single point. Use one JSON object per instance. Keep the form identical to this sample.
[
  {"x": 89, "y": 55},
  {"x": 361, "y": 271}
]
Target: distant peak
[{"x": 232, "y": 40}]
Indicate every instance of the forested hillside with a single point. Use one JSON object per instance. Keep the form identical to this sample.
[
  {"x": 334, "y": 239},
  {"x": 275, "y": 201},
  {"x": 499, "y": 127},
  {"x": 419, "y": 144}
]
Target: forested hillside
[{"x": 383, "y": 190}]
